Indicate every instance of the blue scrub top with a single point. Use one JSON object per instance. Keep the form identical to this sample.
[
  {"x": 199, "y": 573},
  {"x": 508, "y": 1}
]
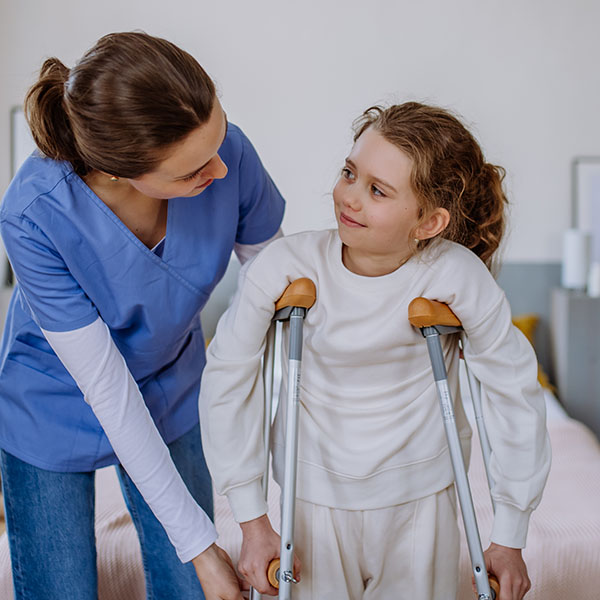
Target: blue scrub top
[{"x": 74, "y": 260}]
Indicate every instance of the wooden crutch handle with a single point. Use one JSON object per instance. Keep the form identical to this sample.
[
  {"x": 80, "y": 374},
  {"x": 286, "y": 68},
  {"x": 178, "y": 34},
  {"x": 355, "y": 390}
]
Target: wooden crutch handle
[
  {"x": 272, "y": 570},
  {"x": 301, "y": 293},
  {"x": 428, "y": 313},
  {"x": 494, "y": 586}
]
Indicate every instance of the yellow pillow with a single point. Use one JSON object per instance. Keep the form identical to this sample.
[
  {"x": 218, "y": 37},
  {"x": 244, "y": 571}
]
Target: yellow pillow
[{"x": 527, "y": 324}]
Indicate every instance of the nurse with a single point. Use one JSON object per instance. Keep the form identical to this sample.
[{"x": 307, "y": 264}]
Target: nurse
[{"x": 118, "y": 229}]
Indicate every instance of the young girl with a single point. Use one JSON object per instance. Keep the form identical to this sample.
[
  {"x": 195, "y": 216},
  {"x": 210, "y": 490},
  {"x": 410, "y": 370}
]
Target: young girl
[{"x": 420, "y": 213}]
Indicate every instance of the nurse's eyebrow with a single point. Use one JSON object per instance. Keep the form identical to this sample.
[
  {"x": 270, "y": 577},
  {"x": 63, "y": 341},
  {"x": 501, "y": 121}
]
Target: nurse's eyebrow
[{"x": 204, "y": 165}]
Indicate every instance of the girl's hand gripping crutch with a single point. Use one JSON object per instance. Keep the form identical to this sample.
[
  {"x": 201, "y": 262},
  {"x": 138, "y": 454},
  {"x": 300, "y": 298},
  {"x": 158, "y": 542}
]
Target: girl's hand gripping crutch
[
  {"x": 435, "y": 319},
  {"x": 292, "y": 307}
]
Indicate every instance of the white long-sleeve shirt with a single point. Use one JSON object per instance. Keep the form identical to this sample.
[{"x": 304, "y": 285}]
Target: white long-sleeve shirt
[{"x": 370, "y": 430}]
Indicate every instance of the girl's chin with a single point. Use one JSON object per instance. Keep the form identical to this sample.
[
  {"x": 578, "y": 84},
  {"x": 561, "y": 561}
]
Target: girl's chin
[{"x": 349, "y": 236}]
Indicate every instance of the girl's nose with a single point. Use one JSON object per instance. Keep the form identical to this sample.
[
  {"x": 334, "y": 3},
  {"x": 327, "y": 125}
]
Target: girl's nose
[
  {"x": 217, "y": 168},
  {"x": 351, "y": 200}
]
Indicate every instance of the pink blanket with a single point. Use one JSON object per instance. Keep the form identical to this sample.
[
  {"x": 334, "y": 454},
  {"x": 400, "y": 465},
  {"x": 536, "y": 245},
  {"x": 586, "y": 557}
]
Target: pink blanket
[{"x": 563, "y": 545}]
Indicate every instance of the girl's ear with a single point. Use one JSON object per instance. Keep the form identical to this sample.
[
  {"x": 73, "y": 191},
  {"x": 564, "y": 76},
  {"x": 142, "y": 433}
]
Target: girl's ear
[{"x": 435, "y": 223}]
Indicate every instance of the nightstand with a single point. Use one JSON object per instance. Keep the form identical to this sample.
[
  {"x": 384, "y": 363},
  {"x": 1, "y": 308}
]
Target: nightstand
[{"x": 575, "y": 337}]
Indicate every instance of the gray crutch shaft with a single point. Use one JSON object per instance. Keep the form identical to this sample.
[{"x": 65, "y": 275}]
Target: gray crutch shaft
[
  {"x": 292, "y": 306},
  {"x": 268, "y": 379},
  {"x": 436, "y": 318},
  {"x": 463, "y": 489},
  {"x": 284, "y": 572},
  {"x": 288, "y": 501},
  {"x": 475, "y": 393}
]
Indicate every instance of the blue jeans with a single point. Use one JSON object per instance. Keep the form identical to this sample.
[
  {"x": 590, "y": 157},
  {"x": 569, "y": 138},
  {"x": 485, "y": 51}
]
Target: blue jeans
[{"x": 50, "y": 526}]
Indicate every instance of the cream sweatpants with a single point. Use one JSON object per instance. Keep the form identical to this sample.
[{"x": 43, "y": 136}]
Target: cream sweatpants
[{"x": 404, "y": 552}]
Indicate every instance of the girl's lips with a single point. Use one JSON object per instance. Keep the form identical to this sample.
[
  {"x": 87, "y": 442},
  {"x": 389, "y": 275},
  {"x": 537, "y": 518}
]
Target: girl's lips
[{"x": 346, "y": 220}]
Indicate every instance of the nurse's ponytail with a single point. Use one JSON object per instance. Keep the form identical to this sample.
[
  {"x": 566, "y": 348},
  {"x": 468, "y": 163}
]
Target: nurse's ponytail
[
  {"x": 121, "y": 107},
  {"x": 48, "y": 120}
]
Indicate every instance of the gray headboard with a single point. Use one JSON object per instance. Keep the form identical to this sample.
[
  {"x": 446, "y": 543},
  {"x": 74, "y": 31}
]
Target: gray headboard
[{"x": 528, "y": 287}]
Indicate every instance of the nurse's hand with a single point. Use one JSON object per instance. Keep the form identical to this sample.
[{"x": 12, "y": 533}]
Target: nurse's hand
[
  {"x": 260, "y": 545},
  {"x": 217, "y": 575}
]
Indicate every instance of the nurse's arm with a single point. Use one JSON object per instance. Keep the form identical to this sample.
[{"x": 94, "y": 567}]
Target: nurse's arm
[
  {"x": 95, "y": 363},
  {"x": 245, "y": 252}
]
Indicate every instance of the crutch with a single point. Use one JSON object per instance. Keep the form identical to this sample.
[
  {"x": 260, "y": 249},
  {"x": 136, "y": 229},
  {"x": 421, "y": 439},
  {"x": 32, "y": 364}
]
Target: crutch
[
  {"x": 292, "y": 307},
  {"x": 475, "y": 394},
  {"x": 435, "y": 319}
]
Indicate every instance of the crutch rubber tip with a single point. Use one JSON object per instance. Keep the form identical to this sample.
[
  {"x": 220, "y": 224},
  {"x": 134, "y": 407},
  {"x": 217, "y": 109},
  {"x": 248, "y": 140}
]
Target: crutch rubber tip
[
  {"x": 423, "y": 312},
  {"x": 273, "y": 573},
  {"x": 301, "y": 293},
  {"x": 494, "y": 586}
]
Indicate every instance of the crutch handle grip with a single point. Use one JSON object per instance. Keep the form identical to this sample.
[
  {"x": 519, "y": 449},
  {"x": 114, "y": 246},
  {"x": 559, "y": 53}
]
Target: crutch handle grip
[
  {"x": 300, "y": 293},
  {"x": 494, "y": 586},
  {"x": 273, "y": 573},
  {"x": 429, "y": 313}
]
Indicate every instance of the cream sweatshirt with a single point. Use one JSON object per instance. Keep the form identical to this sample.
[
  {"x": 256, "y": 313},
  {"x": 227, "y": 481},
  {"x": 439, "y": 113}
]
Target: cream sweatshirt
[{"x": 370, "y": 430}]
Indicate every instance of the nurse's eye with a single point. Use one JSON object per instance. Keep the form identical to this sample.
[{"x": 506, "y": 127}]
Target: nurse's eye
[
  {"x": 347, "y": 174},
  {"x": 192, "y": 176}
]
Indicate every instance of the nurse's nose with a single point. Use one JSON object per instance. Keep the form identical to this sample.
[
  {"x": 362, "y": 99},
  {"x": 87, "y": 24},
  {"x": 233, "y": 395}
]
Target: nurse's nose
[{"x": 217, "y": 169}]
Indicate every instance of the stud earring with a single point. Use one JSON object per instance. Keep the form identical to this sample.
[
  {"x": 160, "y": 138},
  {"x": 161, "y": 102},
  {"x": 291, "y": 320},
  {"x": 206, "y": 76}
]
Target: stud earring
[
  {"x": 416, "y": 240},
  {"x": 113, "y": 178}
]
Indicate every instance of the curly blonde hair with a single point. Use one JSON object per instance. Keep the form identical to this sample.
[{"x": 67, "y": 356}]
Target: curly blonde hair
[{"x": 449, "y": 171}]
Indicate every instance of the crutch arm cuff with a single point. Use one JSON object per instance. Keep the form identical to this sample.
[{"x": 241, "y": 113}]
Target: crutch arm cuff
[
  {"x": 510, "y": 526},
  {"x": 247, "y": 501}
]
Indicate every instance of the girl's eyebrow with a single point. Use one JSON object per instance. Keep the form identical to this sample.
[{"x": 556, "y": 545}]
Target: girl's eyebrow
[
  {"x": 376, "y": 179},
  {"x": 202, "y": 167}
]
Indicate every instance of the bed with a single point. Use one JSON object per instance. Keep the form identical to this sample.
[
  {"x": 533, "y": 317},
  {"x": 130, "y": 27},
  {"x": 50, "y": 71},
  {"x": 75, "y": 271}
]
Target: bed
[{"x": 563, "y": 551}]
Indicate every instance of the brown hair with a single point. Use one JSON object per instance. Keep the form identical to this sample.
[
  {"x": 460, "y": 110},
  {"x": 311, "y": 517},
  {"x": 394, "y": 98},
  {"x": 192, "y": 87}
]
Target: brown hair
[
  {"x": 449, "y": 171},
  {"x": 118, "y": 110}
]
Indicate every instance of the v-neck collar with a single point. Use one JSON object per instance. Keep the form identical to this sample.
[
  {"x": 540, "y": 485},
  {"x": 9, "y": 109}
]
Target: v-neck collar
[
  {"x": 121, "y": 225},
  {"x": 160, "y": 261}
]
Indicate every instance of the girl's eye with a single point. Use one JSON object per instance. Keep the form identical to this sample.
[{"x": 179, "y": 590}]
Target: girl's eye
[
  {"x": 347, "y": 174},
  {"x": 376, "y": 191}
]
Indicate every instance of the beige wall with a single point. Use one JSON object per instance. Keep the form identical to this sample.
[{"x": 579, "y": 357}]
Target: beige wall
[{"x": 294, "y": 74}]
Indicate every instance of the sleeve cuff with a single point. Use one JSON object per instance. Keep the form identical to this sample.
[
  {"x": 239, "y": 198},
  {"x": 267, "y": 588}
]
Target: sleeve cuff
[
  {"x": 199, "y": 543},
  {"x": 247, "y": 501},
  {"x": 510, "y": 526}
]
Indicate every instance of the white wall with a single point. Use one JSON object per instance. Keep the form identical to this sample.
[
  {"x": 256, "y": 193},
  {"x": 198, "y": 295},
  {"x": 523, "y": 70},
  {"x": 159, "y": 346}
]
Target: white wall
[{"x": 524, "y": 75}]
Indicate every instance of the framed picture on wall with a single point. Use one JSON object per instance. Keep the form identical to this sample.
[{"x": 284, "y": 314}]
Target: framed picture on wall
[
  {"x": 21, "y": 142},
  {"x": 585, "y": 204},
  {"x": 21, "y": 146}
]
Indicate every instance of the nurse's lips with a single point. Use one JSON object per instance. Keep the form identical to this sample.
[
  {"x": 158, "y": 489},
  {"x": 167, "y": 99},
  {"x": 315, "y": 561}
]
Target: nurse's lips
[{"x": 346, "y": 220}]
